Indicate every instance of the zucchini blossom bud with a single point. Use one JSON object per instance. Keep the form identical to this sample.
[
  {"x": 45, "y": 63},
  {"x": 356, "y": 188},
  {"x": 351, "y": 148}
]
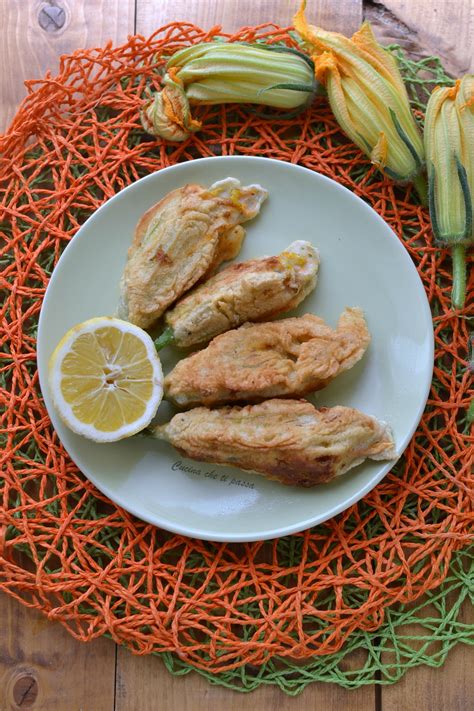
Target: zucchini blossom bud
[
  {"x": 227, "y": 72},
  {"x": 449, "y": 146},
  {"x": 367, "y": 96}
]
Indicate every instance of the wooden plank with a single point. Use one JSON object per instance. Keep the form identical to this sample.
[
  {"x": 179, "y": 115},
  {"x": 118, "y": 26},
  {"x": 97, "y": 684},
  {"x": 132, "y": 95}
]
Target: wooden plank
[
  {"x": 343, "y": 15},
  {"x": 450, "y": 687},
  {"x": 42, "y": 667},
  {"x": 145, "y": 683},
  {"x": 427, "y": 27},
  {"x": 33, "y": 35}
]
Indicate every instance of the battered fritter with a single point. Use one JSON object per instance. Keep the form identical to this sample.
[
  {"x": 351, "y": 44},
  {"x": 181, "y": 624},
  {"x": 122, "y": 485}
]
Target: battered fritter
[
  {"x": 287, "y": 440},
  {"x": 180, "y": 240},
  {"x": 257, "y": 361},
  {"x": 249, "y": 291}
]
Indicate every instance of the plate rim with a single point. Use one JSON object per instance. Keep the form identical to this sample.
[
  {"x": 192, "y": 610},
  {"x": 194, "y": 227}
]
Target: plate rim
[{"x": 267, "y": 534}]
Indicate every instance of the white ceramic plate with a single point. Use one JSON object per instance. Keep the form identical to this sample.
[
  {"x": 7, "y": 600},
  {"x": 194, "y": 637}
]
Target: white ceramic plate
[{"x": 362, "y": 264}]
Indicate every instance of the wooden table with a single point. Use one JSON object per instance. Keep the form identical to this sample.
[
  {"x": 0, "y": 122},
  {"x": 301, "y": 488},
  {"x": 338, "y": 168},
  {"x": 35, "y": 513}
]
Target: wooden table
[{"x": 43, "y": 668}]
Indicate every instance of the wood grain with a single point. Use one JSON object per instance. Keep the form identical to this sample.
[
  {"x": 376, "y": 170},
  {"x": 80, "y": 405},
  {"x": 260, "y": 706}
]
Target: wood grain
[
  {"x": 427, "y": 27},
  {"x": 143, "y": 680},
  {"x": 27, "y": 50},
  {"x": 450, "y": 687},
  {"x": 343, "y": 15},
  {"x": 43, "y": 668}
]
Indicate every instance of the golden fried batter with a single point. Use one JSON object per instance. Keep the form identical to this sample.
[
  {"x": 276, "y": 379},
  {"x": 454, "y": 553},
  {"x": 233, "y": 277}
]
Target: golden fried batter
[
  {"x": 250, "y": 291},
  {"x": 257, "y": 361},
  {"x": 181, "y": 239},
  {"x": 287, "y": 440}
]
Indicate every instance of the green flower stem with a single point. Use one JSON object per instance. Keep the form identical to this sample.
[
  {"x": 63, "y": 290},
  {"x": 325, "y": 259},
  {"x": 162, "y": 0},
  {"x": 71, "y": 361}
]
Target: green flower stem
[
  {"x": 421, "y": 187},
  {"x": 166, "y": 338},
  {"x": 458, "y": 294}
]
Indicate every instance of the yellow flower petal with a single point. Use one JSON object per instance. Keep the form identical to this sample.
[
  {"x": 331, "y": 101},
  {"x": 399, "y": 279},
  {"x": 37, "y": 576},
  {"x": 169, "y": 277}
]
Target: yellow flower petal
[
  {"x": 324, "y": 64},
  {"x": 449, "y": 145},
  {"x": 378, "y": 57},
  {"x": 380, "y": 152},
  {"x": 168, "y": 114},
  {"x": 465, "y": 105},
  {"x": 367, "y": 96}
]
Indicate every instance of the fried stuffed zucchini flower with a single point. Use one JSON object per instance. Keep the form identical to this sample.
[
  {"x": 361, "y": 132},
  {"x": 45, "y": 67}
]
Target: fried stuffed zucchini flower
[
  {"x": 227, "y": 72},
  {"x": 181, "y": 239},
  {"x": 286, "y": 358},
  {"x": 255, "y": 290},
  {"x": 449, "y": 146},
  {"x": 287, "y": 440},
  {"x": 367, "y": 96}
]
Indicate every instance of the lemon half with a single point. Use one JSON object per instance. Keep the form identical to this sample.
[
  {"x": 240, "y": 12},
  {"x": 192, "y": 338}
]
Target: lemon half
[{"x": 106, "y": 379}]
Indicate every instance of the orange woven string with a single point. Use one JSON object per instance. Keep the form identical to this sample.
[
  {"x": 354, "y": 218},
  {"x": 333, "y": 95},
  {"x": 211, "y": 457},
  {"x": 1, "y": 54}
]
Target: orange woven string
[{"x": 66, "y": 549}]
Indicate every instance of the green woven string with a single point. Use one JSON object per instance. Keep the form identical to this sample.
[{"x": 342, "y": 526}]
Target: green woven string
[{"x": 411, "y": 635}]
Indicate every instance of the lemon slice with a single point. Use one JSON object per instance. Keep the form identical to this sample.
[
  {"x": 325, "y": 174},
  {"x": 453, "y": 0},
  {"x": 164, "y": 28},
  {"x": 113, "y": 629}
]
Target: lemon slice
[{"x": 106, "y": 379}]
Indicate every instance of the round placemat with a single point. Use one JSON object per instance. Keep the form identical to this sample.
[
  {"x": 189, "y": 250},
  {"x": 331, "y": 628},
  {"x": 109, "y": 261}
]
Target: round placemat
[{"x": 65, "y": 549}]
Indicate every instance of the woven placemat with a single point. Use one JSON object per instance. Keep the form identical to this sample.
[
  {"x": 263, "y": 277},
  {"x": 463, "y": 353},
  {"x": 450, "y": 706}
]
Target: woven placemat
[{"x": 285, "y": 611}]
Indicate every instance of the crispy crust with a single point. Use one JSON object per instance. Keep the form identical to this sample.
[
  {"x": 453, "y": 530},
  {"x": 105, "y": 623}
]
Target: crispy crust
[
  {"x": 254, "y": 290},
  {"x": 176, "y": 242},
  {"x": 286, "y": 440},
  {"x": 287, "y": 358}
]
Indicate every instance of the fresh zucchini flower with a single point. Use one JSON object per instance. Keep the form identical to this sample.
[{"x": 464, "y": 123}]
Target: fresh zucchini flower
[
  {"x": 449, "y": 146},
  {"x": 367, "y": 96},
  {"x": 227, "y": 72},
  {"x": 167, "y": 114}
]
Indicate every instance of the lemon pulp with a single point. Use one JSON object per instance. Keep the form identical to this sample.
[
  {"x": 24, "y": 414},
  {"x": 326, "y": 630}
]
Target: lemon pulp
[{"x": 106, "y": 379}]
